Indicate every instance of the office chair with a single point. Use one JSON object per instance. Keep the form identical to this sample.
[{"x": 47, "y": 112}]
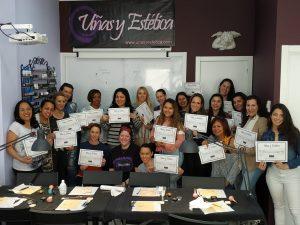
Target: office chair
[
  {"x": 42, "y": 179},
  {"x": 203, "y": 182},
  {"x": 59, "y": 218},
  {"x": 149, "y": 179},
  {"x": 102, "y": 177}
]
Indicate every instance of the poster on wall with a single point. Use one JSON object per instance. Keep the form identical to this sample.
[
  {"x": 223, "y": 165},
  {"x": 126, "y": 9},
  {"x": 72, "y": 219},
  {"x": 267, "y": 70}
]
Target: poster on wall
[{"x": 118, "y": 24}]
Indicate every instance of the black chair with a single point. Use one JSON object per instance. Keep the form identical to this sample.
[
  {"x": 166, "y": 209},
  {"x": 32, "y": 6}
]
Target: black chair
[
  {"x": 203, "y": 182},
  {"x": 178, "y": 220},
  {"x": 48, "y": 218},
  {"x": 102, "y": 177},
  {"x": 43, "y": 179},
  {"x": 149, "y": 179}
]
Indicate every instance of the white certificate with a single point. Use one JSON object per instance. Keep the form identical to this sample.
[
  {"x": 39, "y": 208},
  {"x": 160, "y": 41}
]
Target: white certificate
[
  {"x": 192, "y": 88},
  {"x": 271, "y": 151},
  {"x": 65, "y": 139},
  {"x": 93, "y": 116},
  {"x": 28, "y": 145},
  {"x": 81, "y": 118},
  {"x": 166, "y": 163},
  {"x": 245, "y": 138},
  {"x": 211, "y": 153},
  {"x": 88, "y": 157},
  {"x": 237, "y": 117},
  {"x": 68, "y": 124},
  {"x": 230, "y": 122},
  {"x": 119, "y": 115},
  {"x": 196, "y": 122},
  {"x": 228, "y": 108},
  {"x": 165, "y": 134},
  {"x": 145, "y": 111},
  {"x": 156, "y": 114}
]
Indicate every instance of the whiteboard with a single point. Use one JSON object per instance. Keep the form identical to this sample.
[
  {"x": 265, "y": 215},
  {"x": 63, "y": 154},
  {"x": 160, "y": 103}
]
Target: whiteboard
[
  {"x": 110, "y": 74},
  {"x": 289, "y": 80},
  {"x": 211, "y": 70}
]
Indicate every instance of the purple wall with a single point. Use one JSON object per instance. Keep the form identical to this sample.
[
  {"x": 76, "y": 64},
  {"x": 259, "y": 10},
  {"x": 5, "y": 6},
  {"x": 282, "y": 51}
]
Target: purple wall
[
  {"x": 197, "y": 20},
  {"x": 288, "y": 33},
  {"x": 264, "y": 51}
]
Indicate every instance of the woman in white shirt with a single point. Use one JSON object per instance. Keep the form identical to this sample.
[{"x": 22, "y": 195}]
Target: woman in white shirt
[{"x": 24, "y": 124}]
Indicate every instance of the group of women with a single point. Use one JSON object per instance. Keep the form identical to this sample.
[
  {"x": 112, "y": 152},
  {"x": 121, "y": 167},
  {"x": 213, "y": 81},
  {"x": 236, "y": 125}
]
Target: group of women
[{"x": 131, "y": 146}]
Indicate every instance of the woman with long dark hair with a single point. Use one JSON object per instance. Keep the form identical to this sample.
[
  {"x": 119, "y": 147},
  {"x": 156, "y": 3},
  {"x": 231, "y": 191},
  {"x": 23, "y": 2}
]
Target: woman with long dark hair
[
  {"x": 191, "y": 163},
  {"x": 226, "y": 89},
  {"x": 256, "y": 123},
  {"x": 283, "y": 179},
  {"x": 121, "y": 99},
  {"x": 24, "y": 124}
]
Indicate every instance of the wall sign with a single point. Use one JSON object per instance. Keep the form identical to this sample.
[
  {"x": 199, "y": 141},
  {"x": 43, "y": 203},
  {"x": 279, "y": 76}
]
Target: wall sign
[{"x": 119, "y": 24}]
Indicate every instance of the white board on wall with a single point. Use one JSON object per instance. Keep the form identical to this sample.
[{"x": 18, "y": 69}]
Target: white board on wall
[
  {"x": 290, "y": 79},
  {"x": 110, "y": 74},
  {"x": 211, "y": 70}
]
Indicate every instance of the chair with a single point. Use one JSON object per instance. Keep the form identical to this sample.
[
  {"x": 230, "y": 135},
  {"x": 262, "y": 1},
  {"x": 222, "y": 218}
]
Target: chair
[
  {"x": 43, "y": 179},
  {"x": 178, "y": 220},
  {"x": 102, "y": 177},
  {"x": 149, "y": 179},
  {"x": 48, "y": 218},
  {"x": 203, "y": 182}
]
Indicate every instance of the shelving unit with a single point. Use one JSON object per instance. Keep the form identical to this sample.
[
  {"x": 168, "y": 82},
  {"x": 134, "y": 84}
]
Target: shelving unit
[{"x": 38, "y": 81}]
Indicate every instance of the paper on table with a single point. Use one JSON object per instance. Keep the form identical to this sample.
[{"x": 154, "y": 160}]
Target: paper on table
[
  {"x": 207, "y": 193},
  {"x": 83, "y": 190},
  {"x": 10, "y": 202},
  {"x": 145, "y": 192},
  {"x": 72, "y": 204},
  {"x": 199, "y": 203},
  {"x": 25, "y": 189},
  {"x": 146, "y": 206},
  {"x": 217, "y": 207},
  {"x": 114, "y": 190}
]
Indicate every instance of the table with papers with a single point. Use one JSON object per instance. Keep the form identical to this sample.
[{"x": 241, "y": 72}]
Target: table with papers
[{"x": 125, "y": 206}]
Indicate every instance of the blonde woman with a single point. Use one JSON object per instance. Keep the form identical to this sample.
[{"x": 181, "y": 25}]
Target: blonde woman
[{"x": 143, "y": 133}]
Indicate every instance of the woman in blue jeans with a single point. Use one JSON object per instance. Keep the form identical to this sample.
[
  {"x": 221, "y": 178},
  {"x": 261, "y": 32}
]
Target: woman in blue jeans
[{"x": 283, "y": 179}]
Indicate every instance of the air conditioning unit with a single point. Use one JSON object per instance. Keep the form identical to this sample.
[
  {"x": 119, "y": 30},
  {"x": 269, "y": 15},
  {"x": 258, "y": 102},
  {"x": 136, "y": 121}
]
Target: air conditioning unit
[{"x": 28, "y": 38}]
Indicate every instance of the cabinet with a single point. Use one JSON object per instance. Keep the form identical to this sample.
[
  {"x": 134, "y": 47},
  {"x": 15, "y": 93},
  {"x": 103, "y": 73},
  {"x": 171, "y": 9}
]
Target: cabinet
[{"x": 38, "y": 81}]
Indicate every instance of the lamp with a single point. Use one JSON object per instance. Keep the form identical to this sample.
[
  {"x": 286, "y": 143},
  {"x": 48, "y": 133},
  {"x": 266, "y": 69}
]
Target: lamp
[
  {"x": 241, "y": 156},
  {"x": 40, "y": 144}
]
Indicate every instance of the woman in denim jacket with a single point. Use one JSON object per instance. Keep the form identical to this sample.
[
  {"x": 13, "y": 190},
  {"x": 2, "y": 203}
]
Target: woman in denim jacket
[{"x": 283, "y": 179}]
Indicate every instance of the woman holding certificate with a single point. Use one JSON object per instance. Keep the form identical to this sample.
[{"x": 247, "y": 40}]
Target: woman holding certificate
[
  {"x": 125, "y": 157},
  {"x": 24, "y": 124},
  {"x": 191, "y": 163},
  {"x": 63, "y": 158},
  {"x": 145, "y": 110},
  {"x": 120, "y": 112},
  {"x": 283, "y": 179},
  {"x": 169, "y": 142},
  {"x": 43, "y": 118},
  {"x": 229, "y": 166},
  {"x": 258, "y": 124},
  {"x": 93, "y": 144},
  {"x": 216, "y": 106}
]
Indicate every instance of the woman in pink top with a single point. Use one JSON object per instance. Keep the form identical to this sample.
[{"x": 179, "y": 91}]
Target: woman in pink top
[{"x": 170, "y": 117}]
